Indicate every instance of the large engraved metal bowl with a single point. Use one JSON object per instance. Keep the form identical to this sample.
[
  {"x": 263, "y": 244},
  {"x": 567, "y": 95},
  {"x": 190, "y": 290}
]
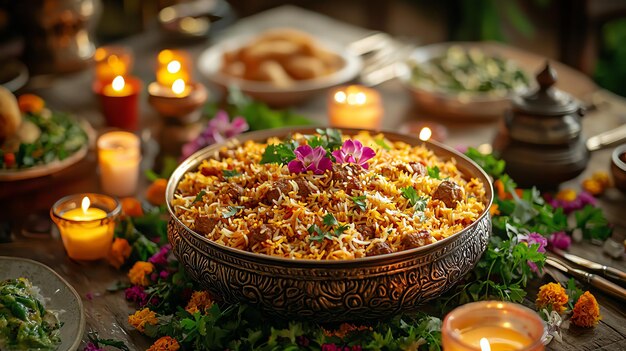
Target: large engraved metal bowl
[{"x": 363, "y": 288}]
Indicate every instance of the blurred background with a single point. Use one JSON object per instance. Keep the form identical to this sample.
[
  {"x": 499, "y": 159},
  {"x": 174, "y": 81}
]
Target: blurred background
[{"x": 55, "y": 36}]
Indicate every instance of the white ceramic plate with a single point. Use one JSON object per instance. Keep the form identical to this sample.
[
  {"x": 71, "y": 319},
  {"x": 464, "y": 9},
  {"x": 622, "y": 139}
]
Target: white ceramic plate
[
  {"x": 210, "y": 62},
  {"x": 61, "y": 295}
]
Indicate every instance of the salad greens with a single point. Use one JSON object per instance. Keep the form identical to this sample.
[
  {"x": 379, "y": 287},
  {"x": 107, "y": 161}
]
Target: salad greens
[
  {"x": 53, "y": 136},
  {"x": 25, "y": 324}
]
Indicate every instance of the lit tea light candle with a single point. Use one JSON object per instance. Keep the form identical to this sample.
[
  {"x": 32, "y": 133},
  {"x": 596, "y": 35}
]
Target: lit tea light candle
[
  {"x": 119, "y": 157},
  {"x": 112, "y": 61},
  {"x": 180, "y": 89},
  {"x": 492, "y": 326},
  {"x": 355, "y": 106},
  {"x": 172, "y": 65},
  {"x": 119, "y": 101},
  {"x": 425, "y": 130},
  {"x": 86, "y": 229}
]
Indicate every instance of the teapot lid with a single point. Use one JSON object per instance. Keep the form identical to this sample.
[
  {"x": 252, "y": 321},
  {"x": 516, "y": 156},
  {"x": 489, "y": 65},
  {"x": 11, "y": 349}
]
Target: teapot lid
[{"x": 546, "y": 100}]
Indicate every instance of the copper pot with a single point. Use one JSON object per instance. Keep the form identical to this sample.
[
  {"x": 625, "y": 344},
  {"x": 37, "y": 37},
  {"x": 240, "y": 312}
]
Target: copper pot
[{"x": 363, "y": 288}]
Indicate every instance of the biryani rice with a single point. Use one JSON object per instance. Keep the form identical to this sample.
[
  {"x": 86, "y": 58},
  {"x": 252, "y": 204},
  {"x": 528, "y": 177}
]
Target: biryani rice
[{"x": 388, "y": 215}]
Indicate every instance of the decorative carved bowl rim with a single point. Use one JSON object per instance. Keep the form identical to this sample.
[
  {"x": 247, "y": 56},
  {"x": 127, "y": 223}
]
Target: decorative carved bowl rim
[{"x": 464, "y": 164}]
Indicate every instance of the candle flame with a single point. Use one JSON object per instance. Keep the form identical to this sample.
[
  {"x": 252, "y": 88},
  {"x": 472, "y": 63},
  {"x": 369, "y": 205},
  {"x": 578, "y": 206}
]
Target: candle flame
[
  {"x": 178, "y": 86},
  {"x": 360, "y": 98},
  {"x": 165, "y": 56},
  {"x": 340, "y": 97},
  {"x": 173, "y": 67},
  {"x": 425, "y": 134},
  {"x": 118, "y": 83},
  {"x": 85, "y": 204},
  {"x": 484, "y": 345}
]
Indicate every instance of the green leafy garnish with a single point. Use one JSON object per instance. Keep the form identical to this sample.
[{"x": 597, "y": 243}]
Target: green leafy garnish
[
  {"x": 573, "y": 292},
  {"x": 332, "y": 138},
  {"x": 593, "y": 223},
  {"x": 487, "y": 162},
  {"x": 329, "y": 221},
  {"x": 230, "y": 173},
  {"x": 359, "y": 201},
  {"x": 382, "y": 143},
  {"x": 279, "y": 153},
  {"x": 433, "y": 172},
  {"x": 232, "y": 210},
  {"x": 418, "y": 202},
  {"x": 199, "y": 196}
]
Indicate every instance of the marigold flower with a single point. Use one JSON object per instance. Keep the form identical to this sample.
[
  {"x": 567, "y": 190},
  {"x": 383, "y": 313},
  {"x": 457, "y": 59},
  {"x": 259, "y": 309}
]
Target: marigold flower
[
  {"x": 141, "y": 318},
  {"x": 132, "y": 207},
  {"x": 140, "y": 272},
  {"x": 552, "y": 295},
  {"x": 30, "y": 103},
  {"x": 156, "y": 192},
  {"x": 602, "y": 177},
  {"x": 119, "y": 252},
  {"x": 593, "y": 187},
  {"x": 586, "y": 312},
  {"x": 200, "y": 301},
  {"x": 566, "y": 195},
  {"x": 165, "y": 343},
  {"x": 494, "y": 210}
]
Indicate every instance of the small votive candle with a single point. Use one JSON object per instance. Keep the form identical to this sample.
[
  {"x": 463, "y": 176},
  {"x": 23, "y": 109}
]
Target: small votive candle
[
  {"x": 86, "y": 223},
  {"x": 355, "y": 106},
  {"x": 119, "y": 101},
  {"x": 172, "y": 65},
  {"x": 426, "y": 130},
  {"x": 494, "y": 326},
  {"x": 112, "y": 61},
  {"x": 119, "y": 156}
]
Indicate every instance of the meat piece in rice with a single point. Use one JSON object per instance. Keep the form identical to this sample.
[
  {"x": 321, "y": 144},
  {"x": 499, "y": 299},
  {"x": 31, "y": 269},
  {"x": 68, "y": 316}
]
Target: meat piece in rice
[
  {"x": 417, "y": 239},
  {"x": 366, "y": 231},
  {"x": 259, "y": 234},
  {"x": 233, "y": 191},
  {"x": 279, "y": 187},
  {"x": 379, "y": 248},
  {"x": 449, "y": 193},
  {"x": 346, "y": 177},
  {"x": 206, "y": 224},
  {"x": 304, "y": 189}
]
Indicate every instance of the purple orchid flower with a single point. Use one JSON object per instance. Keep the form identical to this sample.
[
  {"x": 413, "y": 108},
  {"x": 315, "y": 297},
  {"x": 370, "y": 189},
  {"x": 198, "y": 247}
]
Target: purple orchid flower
[
  {"x": 309, "y": 159},
  {"x": 352, "y": 151},
  {"x": 559, "y": 240},
  {"x": 583, "y": 199},
  {"x": 534, "y": 238},
  {"x": 218, "y": 129}
]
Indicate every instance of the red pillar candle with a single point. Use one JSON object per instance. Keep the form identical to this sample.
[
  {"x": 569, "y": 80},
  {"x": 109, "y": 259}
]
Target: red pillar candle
[{"x": 119, "y": 101}]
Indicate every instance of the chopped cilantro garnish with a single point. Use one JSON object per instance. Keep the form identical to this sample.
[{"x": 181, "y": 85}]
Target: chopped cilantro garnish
[
  {"x": 230, "y": 173},
  {"x": 433, "y": 172},
  {"x": 279, "y": 153},
  {"x": 382, "y": 143},
  {"x": 329, "y": 219},
  {"x": 418, "y": 202},
  {"x": 199, "y": 196},
  {"x": 232, "y": 210},
  {"x": 359, "y": 201},
  {"x": 318, "y": 234}
]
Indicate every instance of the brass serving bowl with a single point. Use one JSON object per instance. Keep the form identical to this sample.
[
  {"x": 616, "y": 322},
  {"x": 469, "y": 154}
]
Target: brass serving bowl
[{"x": 363, "y": 288}]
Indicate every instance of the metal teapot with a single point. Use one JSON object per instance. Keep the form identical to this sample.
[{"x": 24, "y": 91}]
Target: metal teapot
[{"x": 540, "y": 139}]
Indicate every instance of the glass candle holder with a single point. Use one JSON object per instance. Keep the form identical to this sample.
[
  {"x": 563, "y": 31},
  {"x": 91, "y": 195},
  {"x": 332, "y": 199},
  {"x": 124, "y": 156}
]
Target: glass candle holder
[
  {"x": 355, "y": 106},
  {"x": 119, "y": 100},
  {"x": 171, "y": 66},
  {"x": 501, "y": 325},
  {"x": 86, "y": 231},
  {"x": 119, "y": 156}
]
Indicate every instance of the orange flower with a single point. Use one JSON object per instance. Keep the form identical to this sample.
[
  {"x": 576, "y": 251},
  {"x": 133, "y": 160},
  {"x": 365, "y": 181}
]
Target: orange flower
[
  {"x": 593, "y": 187},
  {"x": 138, "y": 275},
  {"x": 132, "y": 207},
  {"x": 568, "y": 195},
  {"x": 141, "y": 318},
  {"x": 199, "y": 301},
  {"x": 602, "y": 178},
  {"x": 119, "y": 253},
  {"x": 552, "y": 295},
  {"x": 165, "y": 343},
  {"x": 30, "y": 103},
  {"x": 586, "y": 312},
  {"x": 156, "y": 192},
  {"x": 494, "y": 210}
]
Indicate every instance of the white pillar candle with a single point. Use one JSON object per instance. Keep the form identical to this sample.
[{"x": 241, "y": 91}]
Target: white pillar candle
[{"x": 119, "y": 156}]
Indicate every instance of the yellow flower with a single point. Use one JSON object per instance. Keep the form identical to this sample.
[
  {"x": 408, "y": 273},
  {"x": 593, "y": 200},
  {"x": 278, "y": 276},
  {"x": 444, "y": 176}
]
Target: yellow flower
[
  {"x": 199, "y": 301},
  {"x": 141, "y": 318},
  {"x": 552, "y": 295},
  {"x": 566, "y": 195},
  {"x": 586, "y": 312},
  {"x": 592, "y": 186},
  {"x": 120, "y": 251},
  {"x": 165, "y": 343},
  {"x": 138, "y": 275},
  {"x": 602, "y": 177}
]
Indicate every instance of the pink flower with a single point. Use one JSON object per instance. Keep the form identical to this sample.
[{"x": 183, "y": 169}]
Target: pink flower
[
  {"x": 92, "y": 347},
  {"x": 534, "y": 238},
  {"x": 582, "y": 199},
  {"x": 218, "y": 129},
  {"x": 559, "y": 240},
  {"x": 137, "y": 295},
  {"x": 160, "y": 257},
  {"x": 164, "y": 274},
  {"x": 352, "y": 151},
  {"x": 309, "y": 159}
]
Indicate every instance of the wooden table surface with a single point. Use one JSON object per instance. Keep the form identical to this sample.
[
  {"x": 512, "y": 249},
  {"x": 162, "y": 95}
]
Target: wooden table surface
[{"x": 24, "y": 205}]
